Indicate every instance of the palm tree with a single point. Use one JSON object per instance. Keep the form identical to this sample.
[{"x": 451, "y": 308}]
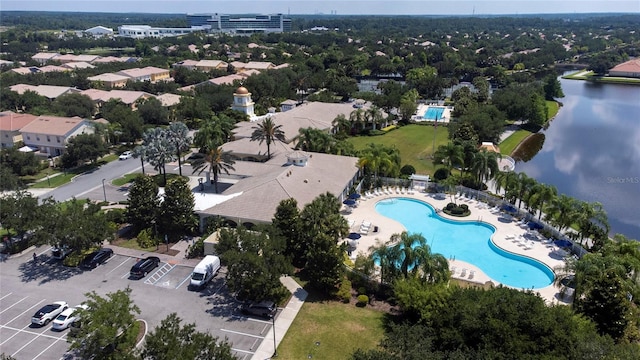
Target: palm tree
[
  {"x": 374, "y": 116},
  {"x": 267, "y": 131},
  {"x": 314, "y": 140},
  {"x": 387, "y": 260},
  {"x": 140, "y": 151},
  {"x": 159, "y": 149},
  {"x": 562, "y": 211},
  {"x": 523, "y": 187},
  {"x": 217, "y": 129},
  {"x": 357, "y": 116},
  {"x": 341, "y": 124},
  {"x": 542, "y": 194},
  {"x": 434, "y": 267},
  {"x": 591, "y": 220},
  {"x": 406, "y": 245},
  {"x": 216, "y": 161},
  {"x": 179, "y": 134},
  {"x": 379, "y": 158},
  {"x": 485, "y": 165},
  {"x": 450, "y": 154}
]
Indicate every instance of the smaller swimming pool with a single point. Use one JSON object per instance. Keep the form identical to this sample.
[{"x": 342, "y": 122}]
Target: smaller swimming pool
[{"x": 433, "y": 113}]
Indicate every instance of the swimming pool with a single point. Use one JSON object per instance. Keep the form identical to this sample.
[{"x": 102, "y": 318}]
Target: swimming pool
[
  {"x": 468, "y": 241},
  {"x": 433, "y": 113}
]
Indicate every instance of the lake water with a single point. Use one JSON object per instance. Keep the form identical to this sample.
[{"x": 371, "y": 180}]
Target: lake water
[{"x": 591, "y": 151}]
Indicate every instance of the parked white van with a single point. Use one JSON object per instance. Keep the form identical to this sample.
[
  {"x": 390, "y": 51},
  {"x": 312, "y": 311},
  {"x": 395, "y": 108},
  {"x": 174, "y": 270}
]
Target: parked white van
[{"x": 205, "y": 271}]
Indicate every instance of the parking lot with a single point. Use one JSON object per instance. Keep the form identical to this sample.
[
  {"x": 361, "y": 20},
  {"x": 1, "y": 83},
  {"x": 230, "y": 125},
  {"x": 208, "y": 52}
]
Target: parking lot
[{"x": 27, "y": 286}]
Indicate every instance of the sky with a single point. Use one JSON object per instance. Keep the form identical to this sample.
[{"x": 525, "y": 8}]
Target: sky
[{"x": 343, "y": 7}]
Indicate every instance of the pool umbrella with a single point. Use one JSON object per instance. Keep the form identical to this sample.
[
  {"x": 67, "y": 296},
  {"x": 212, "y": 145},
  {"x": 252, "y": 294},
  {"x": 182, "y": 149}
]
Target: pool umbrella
[
  {"x": 354, "y": 236},
  {"x": 563, "y": 243},
  {"x": 509, "y": 208},
  {"x": 349, "y": 202},
  {"x": 354, "y": 196},
  {"x": 535, "y": 226}
]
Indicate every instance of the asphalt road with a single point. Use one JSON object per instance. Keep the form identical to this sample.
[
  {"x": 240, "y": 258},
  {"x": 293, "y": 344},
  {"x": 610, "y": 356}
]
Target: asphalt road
[{"x": 92, "y": 180}]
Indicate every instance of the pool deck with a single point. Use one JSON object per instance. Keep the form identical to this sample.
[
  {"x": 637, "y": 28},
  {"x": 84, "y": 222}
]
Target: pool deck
[
  {"x": 506, "y": 228},
  {"x": 422, "y": 108}
]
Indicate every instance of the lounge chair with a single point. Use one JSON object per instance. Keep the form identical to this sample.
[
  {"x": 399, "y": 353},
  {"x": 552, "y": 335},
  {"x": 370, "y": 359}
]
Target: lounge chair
[
  {"x": 453, "y": 270},
  {"x": 463, "y": 273},
  {"x": 472, "y": 273}
]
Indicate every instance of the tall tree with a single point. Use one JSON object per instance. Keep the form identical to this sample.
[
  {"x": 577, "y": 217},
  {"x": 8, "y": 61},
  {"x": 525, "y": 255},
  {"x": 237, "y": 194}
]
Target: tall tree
[
  {"x": 159, "y": 149},
  {"x": 171, "y": 340},
  {"x": 214, "y": 160},
  {"x": 108, "y": 328},
  {"x": 178, "y": 133},
  {"x": 176, "y": 215},
  {"x": 542, "y": 195},
  {"x": 552, "y": 88},
  {"x": 379, "y": 159},
  {"x": 267, "y": 131},
  {"x": 152, "y": 112},
  {"x": 485, "y": 165},
  {"x": 287, "y": 221},
  {"x": 83, "y": 147},
  {"x": 450, "y": 155},
  {"x": 74, "y": 104},
  {"x": 144, "y": 203}
]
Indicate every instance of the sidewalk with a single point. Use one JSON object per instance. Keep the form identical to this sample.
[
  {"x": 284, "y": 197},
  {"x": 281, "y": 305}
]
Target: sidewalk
[
  {"x": 283, "y": 321},
  {"x": 178, "y": 259}
]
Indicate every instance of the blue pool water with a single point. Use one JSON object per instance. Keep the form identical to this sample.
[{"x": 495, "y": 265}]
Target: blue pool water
[
  {"x": 433, "y": 113},
  {"x": 467, "y": 241}
]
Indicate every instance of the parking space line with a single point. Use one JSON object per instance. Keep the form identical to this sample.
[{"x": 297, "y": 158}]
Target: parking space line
[
  {"x": 47, "y": 348},
  {"x": 33, "y": 332},
  {"x": 18, "y": 331},
  {"x": 254, "y": 344},
  {"x": 15, "y": 303},
  {"x": 149, "y": 280},
  {"x": 183, "y": 281},
  {"x": 251, "y": 319},
  {"x": 114, "y": 269},
  {"x": 2, "y": 298},
  {"x": 47, "y": 250},
  {"x": 22, "y": 313},
  {"x": 244, "y": 351},
  {"x": 241, "y": 333},
  {"x": 27, "y": 344}
]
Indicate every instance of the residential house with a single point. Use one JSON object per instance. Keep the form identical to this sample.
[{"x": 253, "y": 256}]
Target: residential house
[
  {"x": 43, "y": 57},
  {"x": 50, "y": 134},
  {"x": 630, "y": 68},
  {"x": 202, "y": 65},
  {"x": 49, "y": 91},
  {"x": 10, "y": 125},
  {"x": 126, "y": 96},
  {"x": 78, "y": 65},
  {"x": 149, "y": 73},
  {"x": 252, "y": 65},
  {"x": 110, "y": 80}
]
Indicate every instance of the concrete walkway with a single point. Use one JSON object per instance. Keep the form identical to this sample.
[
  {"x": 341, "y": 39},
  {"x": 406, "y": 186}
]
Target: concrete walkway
[{"x": 283, "y": 321}]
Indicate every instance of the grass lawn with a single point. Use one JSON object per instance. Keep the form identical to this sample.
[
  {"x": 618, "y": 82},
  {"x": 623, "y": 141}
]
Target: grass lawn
[
  {"x": 509, "y": 144},
  {"x": 415, "y": 143},
  {"x": 125, "y": 179},
  {"x": 54, "y": 182},
  {"x": 552, "y": 108},
  {"x": 339, "y": 329},
  {"x": 133, "y": 244}
]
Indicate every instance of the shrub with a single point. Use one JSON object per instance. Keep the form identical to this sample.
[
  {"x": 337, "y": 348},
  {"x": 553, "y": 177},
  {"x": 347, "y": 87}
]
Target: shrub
[
  {"x": 441, "y": 174},
  {"x": 145, "y": 240},
  {"x": 450, "y": 206},
  {"x": 464, "y": 207},
  {"x": 457, "y": 211},
  {"x": 376, "y": 132},
  {"x": 196, "y": 249},
  {"x": 344, "y": 293},
  {"x": 408, "y": 170},
  {"x": 362, "y": 290},
  {"x": 115, "y": 216},
  {"x": 363, "y": 300}
]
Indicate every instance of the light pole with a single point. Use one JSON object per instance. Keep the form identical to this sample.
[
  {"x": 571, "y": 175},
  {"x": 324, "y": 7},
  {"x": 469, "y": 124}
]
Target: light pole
[
  {"x": 104, "y": 190},
  {"x": 275, "y": 347}
]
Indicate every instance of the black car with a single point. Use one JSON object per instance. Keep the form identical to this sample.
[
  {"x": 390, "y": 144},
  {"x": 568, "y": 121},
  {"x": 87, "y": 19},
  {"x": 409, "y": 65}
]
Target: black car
[
  {"x": 96, "y": 258},
  {"x": 265, "y": 309},
  {"x": 144, "y": 266}
]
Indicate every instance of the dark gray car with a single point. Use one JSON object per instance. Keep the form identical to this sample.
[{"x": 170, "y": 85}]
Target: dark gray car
[{"x": 266, "y": 309}]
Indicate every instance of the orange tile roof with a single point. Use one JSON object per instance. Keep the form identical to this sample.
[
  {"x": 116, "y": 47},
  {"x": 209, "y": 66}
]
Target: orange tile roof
[
  {"x": 629, "y": 66},
  {"x": 52, "y": 125},
  {"x": 10, "y": 121}
]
